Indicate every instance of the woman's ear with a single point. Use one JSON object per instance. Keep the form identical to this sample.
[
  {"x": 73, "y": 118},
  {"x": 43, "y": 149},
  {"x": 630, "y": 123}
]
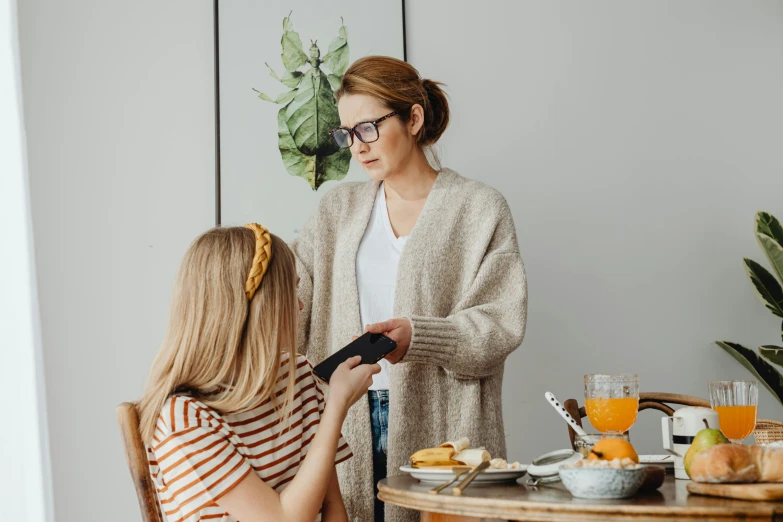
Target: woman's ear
[{"x": 416, "y": 121}]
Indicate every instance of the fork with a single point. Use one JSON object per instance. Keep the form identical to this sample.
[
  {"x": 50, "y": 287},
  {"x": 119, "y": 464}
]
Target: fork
[
  {"x": 458, "y": 472},
  {"x": 459, "y": 488}
]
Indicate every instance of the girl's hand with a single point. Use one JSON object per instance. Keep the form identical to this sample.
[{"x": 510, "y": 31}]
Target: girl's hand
[
  {"x": 399, "y": 330},
  {"x": 350, "y": 381}
]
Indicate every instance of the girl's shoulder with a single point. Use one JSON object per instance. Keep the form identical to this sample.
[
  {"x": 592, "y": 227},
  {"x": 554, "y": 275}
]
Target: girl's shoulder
[{"x": 182, "y": 412}]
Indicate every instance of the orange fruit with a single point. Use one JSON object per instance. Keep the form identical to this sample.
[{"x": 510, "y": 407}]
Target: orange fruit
[{"x": 613, "y": 448}]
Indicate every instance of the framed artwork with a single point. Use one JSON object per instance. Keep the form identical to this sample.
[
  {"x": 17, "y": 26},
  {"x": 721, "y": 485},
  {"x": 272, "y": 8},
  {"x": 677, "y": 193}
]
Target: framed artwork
[{"x": 277, "y": 65}]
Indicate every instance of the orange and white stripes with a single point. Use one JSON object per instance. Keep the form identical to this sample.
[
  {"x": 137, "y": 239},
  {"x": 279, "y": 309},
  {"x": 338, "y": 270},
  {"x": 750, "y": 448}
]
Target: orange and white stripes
[{"x": 198, "y": 455}]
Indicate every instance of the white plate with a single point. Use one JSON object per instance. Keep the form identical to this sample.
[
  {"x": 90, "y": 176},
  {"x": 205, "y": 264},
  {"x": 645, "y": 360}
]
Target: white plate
[
  {"x": 490, "y": 476},
  {"x": 660, "y": 460}
]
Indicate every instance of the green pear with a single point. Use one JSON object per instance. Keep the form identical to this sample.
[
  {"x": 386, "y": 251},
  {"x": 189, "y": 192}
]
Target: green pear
[{"x": 703, "y": 440}]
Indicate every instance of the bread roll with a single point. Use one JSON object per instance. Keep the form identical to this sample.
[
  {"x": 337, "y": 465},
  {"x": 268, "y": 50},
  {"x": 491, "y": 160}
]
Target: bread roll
[
  {"x": 771, "y": 464},
  {"x": 725, "y": 463},
  {"x": 735, "y": 463}
]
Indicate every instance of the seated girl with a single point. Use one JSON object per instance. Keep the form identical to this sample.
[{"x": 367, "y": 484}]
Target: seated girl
[{"x": 236, "y": 425}]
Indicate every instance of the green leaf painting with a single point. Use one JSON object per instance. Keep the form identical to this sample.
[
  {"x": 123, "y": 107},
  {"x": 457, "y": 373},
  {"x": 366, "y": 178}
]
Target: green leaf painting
[{"x": 309, "y": 110}]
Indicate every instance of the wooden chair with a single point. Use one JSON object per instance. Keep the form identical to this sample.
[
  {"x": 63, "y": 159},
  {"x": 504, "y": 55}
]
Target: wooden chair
[
  {"x": 647, "y": 401},
  {"x": 136, "y": 455}
]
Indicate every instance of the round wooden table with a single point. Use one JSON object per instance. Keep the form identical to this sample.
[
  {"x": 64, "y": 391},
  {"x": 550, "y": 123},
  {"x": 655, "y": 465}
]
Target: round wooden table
[{"x": 485, "y": 503}]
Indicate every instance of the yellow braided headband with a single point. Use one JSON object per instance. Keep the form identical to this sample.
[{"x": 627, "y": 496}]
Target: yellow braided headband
[{"x": 260, "y": 259}]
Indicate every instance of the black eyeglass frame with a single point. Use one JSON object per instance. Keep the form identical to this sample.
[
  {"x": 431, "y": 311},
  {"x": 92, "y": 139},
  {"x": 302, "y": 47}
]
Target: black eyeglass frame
[{"x": 352, "y": 130}]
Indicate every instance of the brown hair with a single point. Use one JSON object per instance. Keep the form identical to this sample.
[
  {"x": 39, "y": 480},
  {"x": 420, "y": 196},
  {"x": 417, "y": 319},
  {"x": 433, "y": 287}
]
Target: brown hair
[
  {"x": 221, "y": 348},
  {"x": 398, "y": 85}
]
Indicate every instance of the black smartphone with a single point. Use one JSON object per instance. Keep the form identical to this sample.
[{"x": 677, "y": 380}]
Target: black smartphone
[{"x": 371, "y": 346}]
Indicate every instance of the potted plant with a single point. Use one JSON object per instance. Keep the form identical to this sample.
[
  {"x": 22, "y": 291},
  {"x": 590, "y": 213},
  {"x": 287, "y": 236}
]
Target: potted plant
[{"x": 767, "y": 286}]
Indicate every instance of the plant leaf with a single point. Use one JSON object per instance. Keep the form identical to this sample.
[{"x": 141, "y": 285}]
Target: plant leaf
[
  {"x": 769, "y": 234},
  {"x": 773, "y": 251},
  {"x": 282, "y": 98},
  {"x": 767, "y": 224},
  {"x": 336, "y": 58},
  {"x": 315, "y": 169},
  {"x": 296, "y": 163},
  {"x": 767, "y": 287},
  {"x": 333, "y": 167},
  {"x": 334, "y": 81},
  {"x": 312, "y": 114},
  {"x": 772, "y": 353},
  {"x": 763, "y": 371},
  {"x": 293, "y": 55},
  {"x": 289, "y": 79}
]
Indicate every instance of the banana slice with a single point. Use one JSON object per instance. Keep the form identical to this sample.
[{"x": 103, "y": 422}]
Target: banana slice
[{"x": 472, "y": 457}]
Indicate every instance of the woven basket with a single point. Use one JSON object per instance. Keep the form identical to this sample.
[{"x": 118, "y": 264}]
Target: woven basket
[{"x": 768, "y": 431}]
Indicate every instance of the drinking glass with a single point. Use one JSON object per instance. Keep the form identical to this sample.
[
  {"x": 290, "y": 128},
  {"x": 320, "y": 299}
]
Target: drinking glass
[
  {"x": 736, "y": 403},
  {"x": 612, "y": 401}
]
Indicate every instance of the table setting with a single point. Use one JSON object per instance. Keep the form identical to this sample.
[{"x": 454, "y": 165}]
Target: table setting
[{"x": 703, "y": 457}]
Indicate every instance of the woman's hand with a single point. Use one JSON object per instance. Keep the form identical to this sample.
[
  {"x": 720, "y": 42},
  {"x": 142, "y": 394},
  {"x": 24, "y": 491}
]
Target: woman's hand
[
  {"x": 350, "y": 381},
  {"x": 399, "y": 330}
]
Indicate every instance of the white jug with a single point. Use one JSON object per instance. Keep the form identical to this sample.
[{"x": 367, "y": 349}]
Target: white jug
[{"x": 680, "y": 429}]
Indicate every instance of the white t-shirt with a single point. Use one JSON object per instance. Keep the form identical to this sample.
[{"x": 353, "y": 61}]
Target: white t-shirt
[{"x": 376, "y": 274}]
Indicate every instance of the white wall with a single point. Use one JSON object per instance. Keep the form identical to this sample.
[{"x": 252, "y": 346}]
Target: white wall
[
  {"x": 634, "y": 142},
  {"x": 25, "y": 481},
  {"x": 120, "y": 118}
]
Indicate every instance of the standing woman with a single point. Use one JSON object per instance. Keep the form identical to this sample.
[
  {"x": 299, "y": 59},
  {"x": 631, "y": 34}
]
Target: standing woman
[{"x": 424, "y": 255}]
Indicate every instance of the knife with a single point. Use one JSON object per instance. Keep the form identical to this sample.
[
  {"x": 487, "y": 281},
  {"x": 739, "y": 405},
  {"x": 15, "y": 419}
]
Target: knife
[{"x": 459, "y": 488}]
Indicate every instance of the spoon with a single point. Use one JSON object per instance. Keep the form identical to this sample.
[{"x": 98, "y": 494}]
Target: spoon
[{"x": 551, "y": 399}]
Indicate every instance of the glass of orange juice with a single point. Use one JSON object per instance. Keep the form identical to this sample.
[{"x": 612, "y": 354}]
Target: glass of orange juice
[
  {"x": 736, "y": 403},
  {"x": 612, "y": 401}
]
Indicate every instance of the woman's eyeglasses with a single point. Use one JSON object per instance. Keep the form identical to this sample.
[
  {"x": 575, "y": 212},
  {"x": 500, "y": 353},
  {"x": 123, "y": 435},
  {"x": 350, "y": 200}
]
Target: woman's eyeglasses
[{"x": 367, "y": 132}]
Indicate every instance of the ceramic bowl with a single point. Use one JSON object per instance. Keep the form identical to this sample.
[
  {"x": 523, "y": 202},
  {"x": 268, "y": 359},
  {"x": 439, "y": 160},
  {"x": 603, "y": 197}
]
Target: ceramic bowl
[{"x": 602, "y": 482}]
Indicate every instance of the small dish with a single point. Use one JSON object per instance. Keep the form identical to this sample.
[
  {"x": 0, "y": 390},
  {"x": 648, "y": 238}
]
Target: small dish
[
  {"x": 544, "y": 469},
  {"x": 603, "y": 483},
  {"x": 489, "y": 476},
  {"x": 667, "y": 461}
]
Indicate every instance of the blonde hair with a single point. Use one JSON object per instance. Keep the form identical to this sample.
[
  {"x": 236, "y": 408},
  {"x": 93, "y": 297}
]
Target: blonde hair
[{"x": 222, "y": 348}]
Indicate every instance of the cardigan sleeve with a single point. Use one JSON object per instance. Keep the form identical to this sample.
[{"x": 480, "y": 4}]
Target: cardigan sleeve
[
  {"x": 487, "y": 324},
  {"x": 304, "y": 250}
]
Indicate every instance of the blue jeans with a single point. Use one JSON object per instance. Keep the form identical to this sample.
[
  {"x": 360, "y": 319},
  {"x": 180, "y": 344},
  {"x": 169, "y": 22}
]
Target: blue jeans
[{"x": 379, "y": 420}]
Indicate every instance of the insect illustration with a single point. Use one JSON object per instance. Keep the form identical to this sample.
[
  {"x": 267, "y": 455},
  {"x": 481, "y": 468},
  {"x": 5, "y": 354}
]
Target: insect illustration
[{"x": 309, "y": 110}]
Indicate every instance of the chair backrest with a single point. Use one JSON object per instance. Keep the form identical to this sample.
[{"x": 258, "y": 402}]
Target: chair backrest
[
  {"x": 136, "y": 455},
  {"x": 653, "y": 400}
]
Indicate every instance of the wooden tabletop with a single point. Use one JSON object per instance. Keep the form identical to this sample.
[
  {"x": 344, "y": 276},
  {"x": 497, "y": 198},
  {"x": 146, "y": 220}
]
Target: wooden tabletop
[{"x": 554, "y": 503}]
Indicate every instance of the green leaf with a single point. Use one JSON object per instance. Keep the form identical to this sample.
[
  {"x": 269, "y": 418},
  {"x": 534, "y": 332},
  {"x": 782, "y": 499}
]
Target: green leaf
[
  {"x": 336, "y": 58},
  {"x": 289, "y": 79},
  {"x": 315, "y": 169},
  {"x": 781, "y": 331},
  {"x": 767, "y": 287},
  {"x": 769, "y": 234},
  {"x": 296, "y": 163},
  {"x": 312, "y": 114},
  {"x": 333, "y": 167},
  {"x": 282, "y": 98},
  {"x": 334, "y": 81},
  {"x": 293, "y": 55},
  {"x": 764, "y": 372},
  {"x": 772, "y": 353},
  {"x": 767, "y": 224}
]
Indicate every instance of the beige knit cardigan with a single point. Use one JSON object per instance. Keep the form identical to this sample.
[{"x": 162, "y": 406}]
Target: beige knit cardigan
[{"x": 461, "y": 282}]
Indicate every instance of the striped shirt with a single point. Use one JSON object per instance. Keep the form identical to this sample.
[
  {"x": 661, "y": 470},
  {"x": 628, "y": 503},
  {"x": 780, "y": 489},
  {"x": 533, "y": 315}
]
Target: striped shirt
[{"x": 198, "y": 455}]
